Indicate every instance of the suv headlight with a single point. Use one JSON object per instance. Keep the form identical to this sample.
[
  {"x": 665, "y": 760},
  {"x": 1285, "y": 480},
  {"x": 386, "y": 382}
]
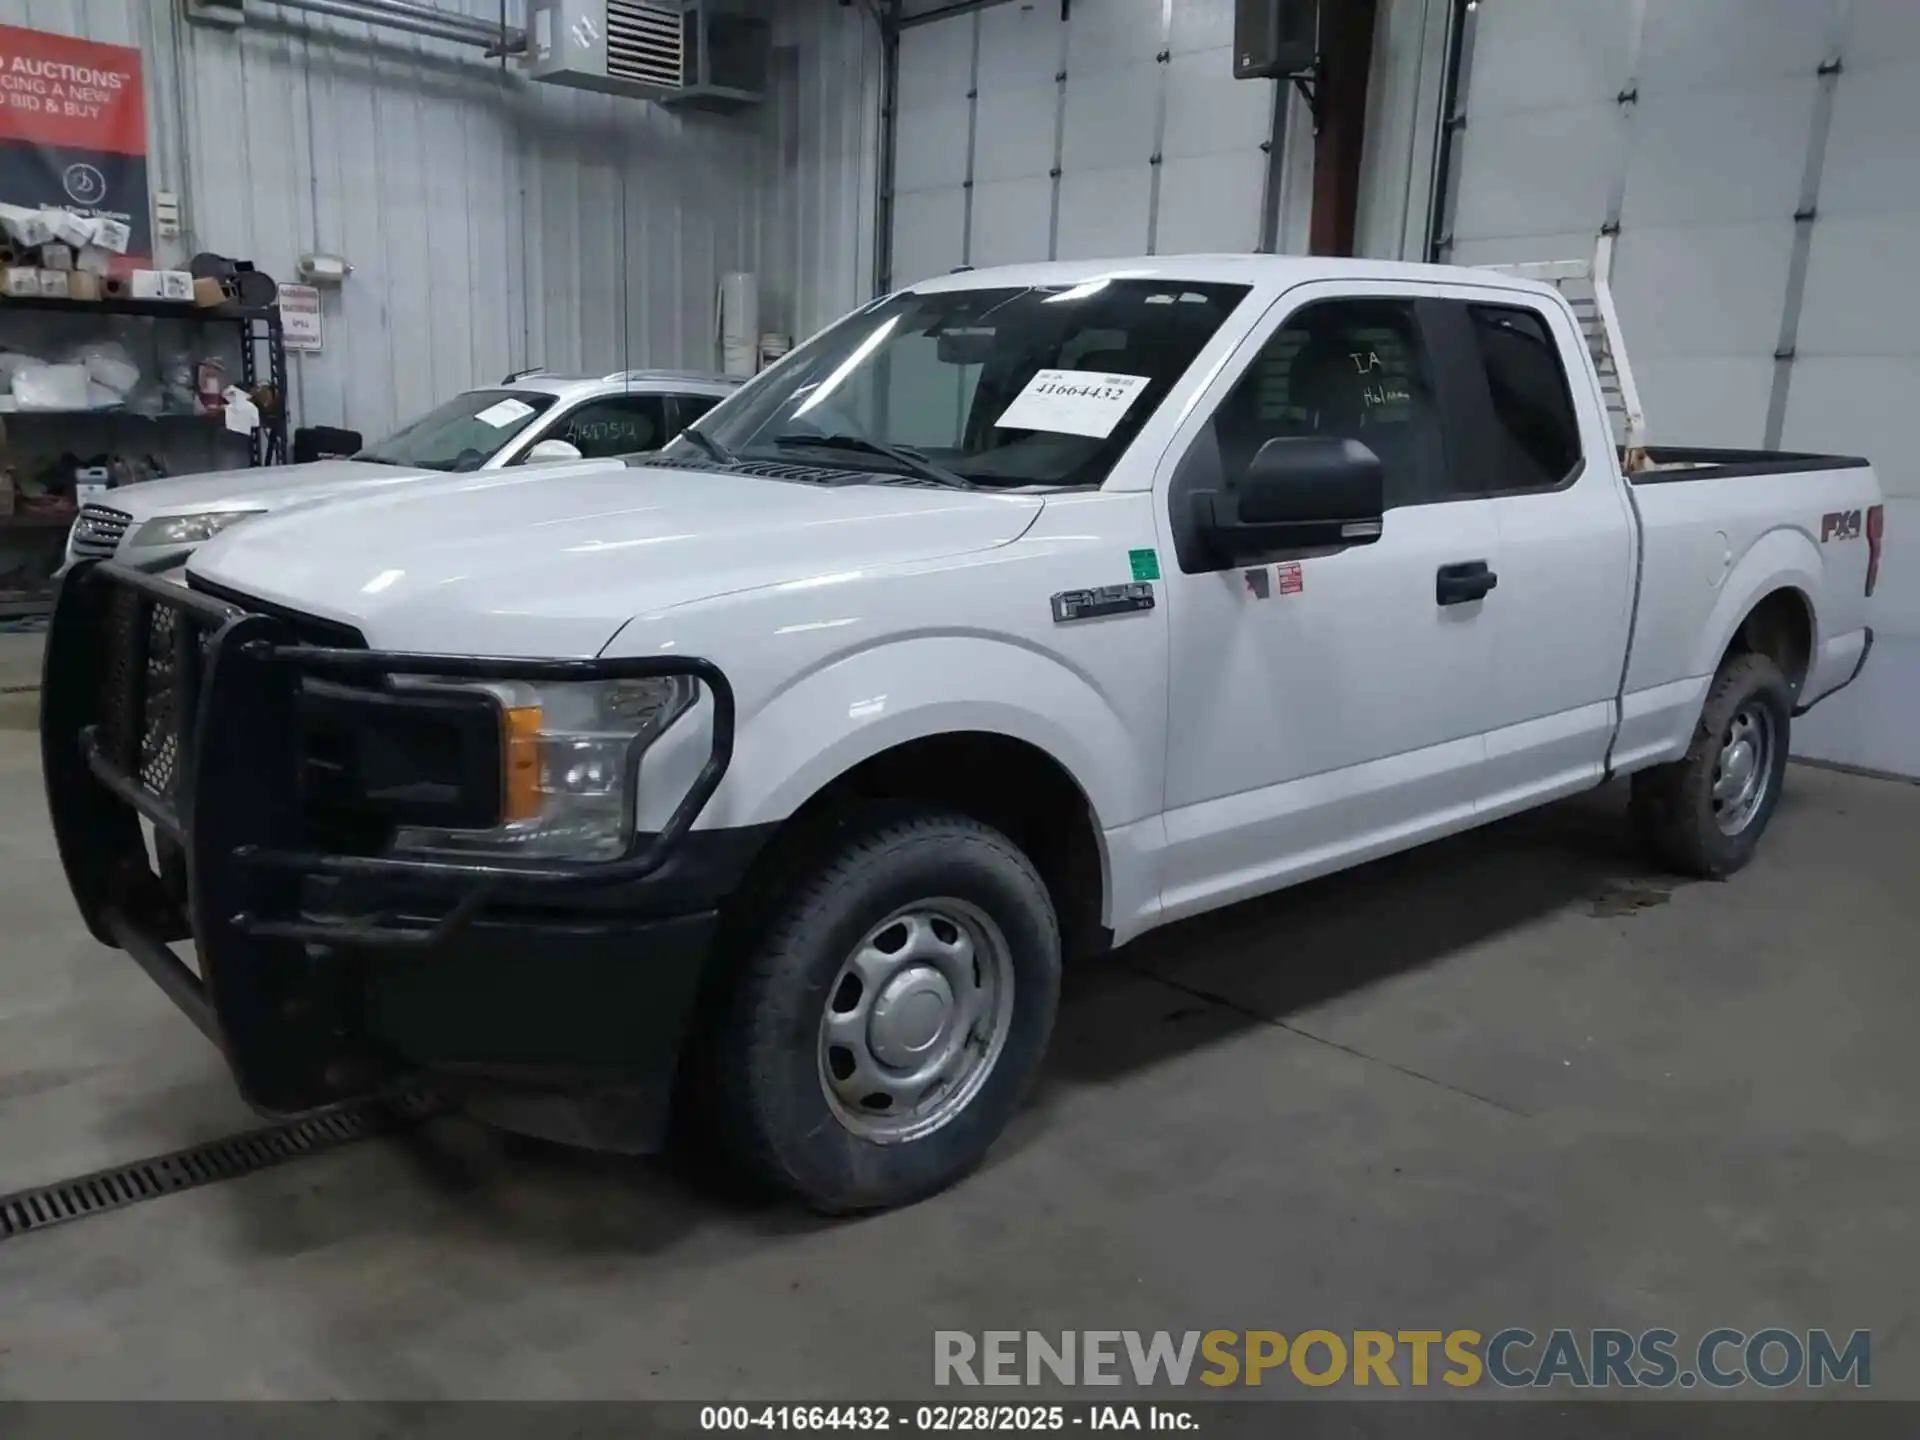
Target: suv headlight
[
  {"x": 187, "y": 529},
  {"x": 570, "y": 758}
]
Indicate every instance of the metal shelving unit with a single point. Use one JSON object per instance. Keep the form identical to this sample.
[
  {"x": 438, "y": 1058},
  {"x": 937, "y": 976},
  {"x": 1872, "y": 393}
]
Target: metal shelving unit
[
  {"x": 263, "y": 352},
  {"x": 263, "y": 362}
]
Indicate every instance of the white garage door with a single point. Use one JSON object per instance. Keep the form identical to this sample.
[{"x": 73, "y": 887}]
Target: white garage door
[
  {"x": 1758, "y": 158},
  {"x": 1119, "y": 131}
]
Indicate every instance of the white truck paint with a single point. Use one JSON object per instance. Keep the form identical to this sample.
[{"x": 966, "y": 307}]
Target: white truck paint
[
  {"x": 1280, "y": 711},
  {"x": 853, "y": 619}
]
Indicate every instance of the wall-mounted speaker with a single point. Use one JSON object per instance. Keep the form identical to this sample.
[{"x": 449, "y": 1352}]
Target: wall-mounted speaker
[{"x": 1274, "y": 38}]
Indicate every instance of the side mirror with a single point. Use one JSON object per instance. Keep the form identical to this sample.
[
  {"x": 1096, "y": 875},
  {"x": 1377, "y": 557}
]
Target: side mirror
[
  {"x": 554, "y": 450},
  {"x": 1307, "y": 492}
]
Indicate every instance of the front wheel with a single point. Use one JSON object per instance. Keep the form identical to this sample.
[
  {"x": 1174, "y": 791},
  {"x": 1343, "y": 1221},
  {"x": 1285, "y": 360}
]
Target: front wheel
[
  {"x": 1704, "y": 814},
  {"x": 890, "y": 1020}
]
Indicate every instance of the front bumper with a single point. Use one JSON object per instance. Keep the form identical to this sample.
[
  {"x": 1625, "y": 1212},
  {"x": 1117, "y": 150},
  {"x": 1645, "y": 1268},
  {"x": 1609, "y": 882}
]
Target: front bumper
[{"x": 324, "y": 972}]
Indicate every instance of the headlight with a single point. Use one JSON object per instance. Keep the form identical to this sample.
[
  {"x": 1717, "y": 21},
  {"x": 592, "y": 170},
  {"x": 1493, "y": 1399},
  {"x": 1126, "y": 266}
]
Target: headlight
[
  {"x": 187, "y": 529},
  {"x": 570, "y": 760}
]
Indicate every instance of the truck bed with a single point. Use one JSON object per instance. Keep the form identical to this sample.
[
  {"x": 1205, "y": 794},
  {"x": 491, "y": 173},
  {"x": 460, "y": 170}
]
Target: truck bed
[{"x": 1661, "y": 464}]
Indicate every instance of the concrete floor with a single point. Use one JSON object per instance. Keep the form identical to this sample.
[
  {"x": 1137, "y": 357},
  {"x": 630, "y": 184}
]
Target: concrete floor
[{"x": 1512, "y": 1079}]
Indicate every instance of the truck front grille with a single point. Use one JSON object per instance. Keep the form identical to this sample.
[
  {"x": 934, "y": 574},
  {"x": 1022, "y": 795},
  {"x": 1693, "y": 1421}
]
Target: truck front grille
[
  {"x": 98, "y": 531},
  {"x": 143, "y": 718}
]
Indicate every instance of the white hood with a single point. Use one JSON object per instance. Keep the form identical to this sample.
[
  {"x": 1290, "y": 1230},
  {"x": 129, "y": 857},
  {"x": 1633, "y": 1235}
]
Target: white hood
[
  {"x": 267, "y": 487},
  {"x": 552, "y": 562}
]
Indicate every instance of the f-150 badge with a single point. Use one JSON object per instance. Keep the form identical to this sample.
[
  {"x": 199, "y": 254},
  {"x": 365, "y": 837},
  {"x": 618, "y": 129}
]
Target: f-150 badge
[{"x": 1105, "y": 600}]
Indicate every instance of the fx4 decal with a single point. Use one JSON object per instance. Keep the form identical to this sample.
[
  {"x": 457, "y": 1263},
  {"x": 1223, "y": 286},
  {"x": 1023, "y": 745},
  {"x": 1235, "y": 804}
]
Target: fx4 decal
[{"x": 1840, "y": 525}]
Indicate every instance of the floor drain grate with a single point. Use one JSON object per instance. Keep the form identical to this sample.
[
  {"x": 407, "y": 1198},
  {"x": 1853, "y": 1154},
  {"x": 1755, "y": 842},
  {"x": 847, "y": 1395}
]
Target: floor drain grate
[{"x": 228, "y": 1159}]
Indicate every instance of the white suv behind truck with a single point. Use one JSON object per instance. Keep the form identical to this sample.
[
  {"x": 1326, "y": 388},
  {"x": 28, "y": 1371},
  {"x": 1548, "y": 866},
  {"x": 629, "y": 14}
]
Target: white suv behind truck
[
  {"x": 775, "y": 777},
  {"x": 527, "y": 419}
]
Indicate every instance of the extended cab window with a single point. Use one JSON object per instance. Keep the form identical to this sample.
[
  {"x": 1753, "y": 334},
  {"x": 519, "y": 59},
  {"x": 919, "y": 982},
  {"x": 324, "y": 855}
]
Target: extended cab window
[
  {"x": 1352, "y": 368},
  {"x": 1537, "y": 443}
]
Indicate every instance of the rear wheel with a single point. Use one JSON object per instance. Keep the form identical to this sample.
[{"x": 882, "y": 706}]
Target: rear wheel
[
  {"x": 892, "y": 1016},
  {"x": 1704, "y": 814}
]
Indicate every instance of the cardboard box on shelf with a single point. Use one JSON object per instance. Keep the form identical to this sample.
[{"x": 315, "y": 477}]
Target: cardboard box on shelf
[
  {"x": 111, "y": 235},
  {"x": 94, "y": 260},
  {"x": 53, "y": 283},
  {"x": 20, "y": 280},
  {"x": 29, "y": 228},
  {"x": 56, "y": 256},
  {"x": 68, "y": 227},
  {"x": 82, "y": 285},
  {"x": 162, "y": 285},
  {"x": 207, "y": 292}
]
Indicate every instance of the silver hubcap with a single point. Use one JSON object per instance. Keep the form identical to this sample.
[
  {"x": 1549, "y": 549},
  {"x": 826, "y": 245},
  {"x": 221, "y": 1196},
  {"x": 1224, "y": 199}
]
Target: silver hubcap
[
  {"x": 916, "y": 1020},
  {"x": 1744, "y": 771}
]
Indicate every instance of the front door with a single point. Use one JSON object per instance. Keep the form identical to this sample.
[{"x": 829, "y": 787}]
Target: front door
[{"x": 1325, "y": 707}]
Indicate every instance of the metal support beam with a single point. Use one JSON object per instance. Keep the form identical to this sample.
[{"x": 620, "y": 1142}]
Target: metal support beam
[
  {"x": 889, "y": 20},
  {"x": 1806, "y": 212},
  {"x": 1340, "y": 122},
  {"x": 1445, "y": 188}
]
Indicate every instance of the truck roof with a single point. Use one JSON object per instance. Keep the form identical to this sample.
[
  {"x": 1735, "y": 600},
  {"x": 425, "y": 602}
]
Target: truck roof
[{"x": 1230, "y": 269}]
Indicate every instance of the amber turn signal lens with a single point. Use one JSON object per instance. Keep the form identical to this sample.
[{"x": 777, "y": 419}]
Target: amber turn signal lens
[{"x": 520, "y": 735}]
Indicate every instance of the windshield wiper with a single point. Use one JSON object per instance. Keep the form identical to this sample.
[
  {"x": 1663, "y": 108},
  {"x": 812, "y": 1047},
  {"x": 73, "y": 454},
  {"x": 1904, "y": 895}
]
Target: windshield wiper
[
  {"x": 703, "y": 441},
  {"x": 908, "y": 460}
]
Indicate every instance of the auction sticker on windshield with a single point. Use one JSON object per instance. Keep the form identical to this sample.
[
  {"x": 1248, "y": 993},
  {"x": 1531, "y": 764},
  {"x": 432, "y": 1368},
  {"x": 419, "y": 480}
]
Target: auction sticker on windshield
[
  {"x": 1073, "y": 402},
  {"x": 503, "y": 414}
]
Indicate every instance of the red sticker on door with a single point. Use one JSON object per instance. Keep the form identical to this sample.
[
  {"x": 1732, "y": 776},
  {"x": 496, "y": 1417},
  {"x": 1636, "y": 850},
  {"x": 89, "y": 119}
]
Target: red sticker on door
[{"x": 1289, "y": 580}]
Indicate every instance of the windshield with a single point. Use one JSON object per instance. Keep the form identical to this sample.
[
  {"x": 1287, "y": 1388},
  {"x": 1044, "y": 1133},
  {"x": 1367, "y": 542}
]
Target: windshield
[
  {"x": 462, "y": 434},
  {"x": 994, "y": 387}
]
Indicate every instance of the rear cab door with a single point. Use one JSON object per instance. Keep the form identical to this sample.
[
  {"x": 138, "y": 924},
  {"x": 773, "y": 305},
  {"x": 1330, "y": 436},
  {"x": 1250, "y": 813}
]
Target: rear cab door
[{"x": 1534, "y": 445}]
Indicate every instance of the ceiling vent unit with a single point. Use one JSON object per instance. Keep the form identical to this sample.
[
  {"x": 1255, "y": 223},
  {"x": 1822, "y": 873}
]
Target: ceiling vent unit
[
  {"x": 694, "y": 55},
  {"x": 728, "y": 55},
  {"x": 617, "y": 47}
]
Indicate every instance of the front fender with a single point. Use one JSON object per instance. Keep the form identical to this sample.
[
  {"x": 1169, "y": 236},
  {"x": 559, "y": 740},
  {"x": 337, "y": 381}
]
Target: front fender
[
  {"x": 1785, "y": 558},
  {"x": 832, "y": 718}
]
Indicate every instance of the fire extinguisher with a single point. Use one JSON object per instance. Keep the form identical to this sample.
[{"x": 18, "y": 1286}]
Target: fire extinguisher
[{"x": 209, "y": 386}]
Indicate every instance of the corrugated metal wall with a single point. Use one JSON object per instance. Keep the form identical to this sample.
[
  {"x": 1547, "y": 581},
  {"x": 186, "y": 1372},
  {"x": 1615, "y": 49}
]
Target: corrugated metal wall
[
  {"x": 1113, "y": 127},
  {"x": 495, "y": 224},
  {"x": 1756, "y": 159}
]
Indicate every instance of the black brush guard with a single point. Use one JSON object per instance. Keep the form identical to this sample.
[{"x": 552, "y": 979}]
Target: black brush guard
[{"x": 219, "y": 773}]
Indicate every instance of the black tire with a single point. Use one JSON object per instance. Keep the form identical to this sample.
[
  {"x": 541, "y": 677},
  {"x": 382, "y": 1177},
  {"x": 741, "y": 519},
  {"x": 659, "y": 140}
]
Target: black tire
[
  {"x": 767, "y": 1097},
  {"x": 1672, "y": 805}
]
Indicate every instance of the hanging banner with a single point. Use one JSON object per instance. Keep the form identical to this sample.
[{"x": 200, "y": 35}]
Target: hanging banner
[{"x": 73, "y": 129}]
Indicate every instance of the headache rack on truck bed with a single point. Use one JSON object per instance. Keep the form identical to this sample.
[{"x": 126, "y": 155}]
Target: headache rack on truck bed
[
  {"x": 196, "y": 713},
  {"x": 1586, "y": 285}
]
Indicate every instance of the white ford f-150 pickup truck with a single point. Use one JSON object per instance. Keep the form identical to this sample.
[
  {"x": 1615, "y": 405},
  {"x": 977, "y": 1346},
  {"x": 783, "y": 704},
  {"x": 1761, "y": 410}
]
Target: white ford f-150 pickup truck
[{"x": 772, "y": 778}]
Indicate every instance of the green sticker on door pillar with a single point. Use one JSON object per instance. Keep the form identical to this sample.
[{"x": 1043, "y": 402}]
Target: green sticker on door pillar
[{"x": 1146, "y": 564}]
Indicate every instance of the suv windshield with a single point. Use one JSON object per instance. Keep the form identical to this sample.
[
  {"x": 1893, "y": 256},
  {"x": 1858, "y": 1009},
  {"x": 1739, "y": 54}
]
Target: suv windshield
[
  {"x": 462, "y": 434},
  {"x": 994, "y": 387}
]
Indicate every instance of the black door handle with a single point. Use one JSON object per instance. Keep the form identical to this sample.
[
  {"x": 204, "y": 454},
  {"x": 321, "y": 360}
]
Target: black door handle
[{"x": 1469, "y": 580}]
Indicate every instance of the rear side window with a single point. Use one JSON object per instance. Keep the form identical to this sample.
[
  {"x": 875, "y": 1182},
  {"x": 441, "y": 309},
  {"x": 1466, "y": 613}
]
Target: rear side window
[{"x": 1537, "y": 434}]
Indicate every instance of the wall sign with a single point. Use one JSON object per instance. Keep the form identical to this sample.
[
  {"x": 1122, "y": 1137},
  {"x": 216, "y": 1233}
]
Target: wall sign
[
  {"x": 73, "y": 129},
  {"x": 300, "y": 317}
]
